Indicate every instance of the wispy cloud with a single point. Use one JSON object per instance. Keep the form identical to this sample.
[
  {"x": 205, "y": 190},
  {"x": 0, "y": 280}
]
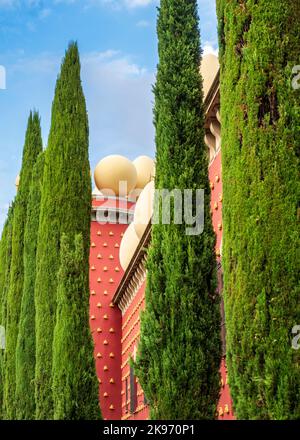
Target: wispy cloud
[
  {"x": 143, "y": 23},
  {"x": 119, "y": 4},
  {"x": 119, "y": 95}
]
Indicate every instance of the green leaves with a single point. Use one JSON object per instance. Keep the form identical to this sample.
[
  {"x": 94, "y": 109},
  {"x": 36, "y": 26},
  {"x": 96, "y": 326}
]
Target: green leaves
[
  {"x": 32, "y": 148},
  {"x": 65, "y": 209},
  {"x": 75, "y": 394},
  {"x": 179, "y": 352},
  {"x": 260, "y": 138}
]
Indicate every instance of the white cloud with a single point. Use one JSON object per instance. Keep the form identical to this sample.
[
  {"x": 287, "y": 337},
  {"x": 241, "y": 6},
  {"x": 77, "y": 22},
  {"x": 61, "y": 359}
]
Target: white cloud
[
  {"x": 8, "y": 3},
  {"x": 44, "y": 13},
  {"x": 119, "y": 100},
  {"x": 143, "y": 23},
  {"x": 118, "y": 4},
  {"x": 137, "y": 3},
  {"x": 209, "y": 49}
]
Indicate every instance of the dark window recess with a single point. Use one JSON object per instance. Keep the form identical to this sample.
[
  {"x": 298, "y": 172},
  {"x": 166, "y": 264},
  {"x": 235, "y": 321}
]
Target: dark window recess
[
  {"x": 145, "y": 400},
  {"x": 133, "y": 391},
  {"x": 126, "y": 395},
  {"x": 220, "y": 292}
]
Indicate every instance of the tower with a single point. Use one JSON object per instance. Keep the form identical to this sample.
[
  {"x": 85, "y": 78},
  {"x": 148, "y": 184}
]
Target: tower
[{"x": 112, "y": 211}]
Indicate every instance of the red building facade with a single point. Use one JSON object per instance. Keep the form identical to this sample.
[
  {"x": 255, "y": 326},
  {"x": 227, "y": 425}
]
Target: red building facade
[{"x": 117, "y": 297}]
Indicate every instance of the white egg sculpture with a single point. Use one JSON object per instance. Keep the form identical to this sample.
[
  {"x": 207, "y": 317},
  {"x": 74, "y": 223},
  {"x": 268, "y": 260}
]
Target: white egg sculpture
[
  {"x": 115, "y": 175},
  {"x": 145, "y": 170},
  {"x": 144, "y": 209},
  {"x": 128, "y": 246},
  {"x": 209, "y": 69},
  {"x": 17, "y": 183}
]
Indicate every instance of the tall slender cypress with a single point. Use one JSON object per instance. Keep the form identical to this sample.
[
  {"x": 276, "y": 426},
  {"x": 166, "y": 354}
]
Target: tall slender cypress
[
  {"x": 75, "y": 384},
  {"x": 179, "y": 353},
  {"x": 32, "y": 148},
  {"x": 25, "y": 352},
  {"x": 259, "y": 46},
  {"x": 65, "y": 208},
  {"x": 5, "y": 261}
]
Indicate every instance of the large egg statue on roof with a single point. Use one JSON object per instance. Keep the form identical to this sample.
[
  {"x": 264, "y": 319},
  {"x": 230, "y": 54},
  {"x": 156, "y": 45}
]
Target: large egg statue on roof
[
  {"x": 145, "y": 170},
  {"x": 209, "y": 69},
  {"x": 115, "y": 175},
  {"x": 128, "y": 246},
  {"x": 17, "y": 183}
]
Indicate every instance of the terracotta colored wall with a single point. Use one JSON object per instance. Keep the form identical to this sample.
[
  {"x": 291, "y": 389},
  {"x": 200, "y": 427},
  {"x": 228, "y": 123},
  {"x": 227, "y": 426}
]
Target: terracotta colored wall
[
  {"x": 215, "y": 177},
  {"x": 116, "y": 337},
  {"x": 130, "y": 337},
  {"x": 106, "y": 320}
]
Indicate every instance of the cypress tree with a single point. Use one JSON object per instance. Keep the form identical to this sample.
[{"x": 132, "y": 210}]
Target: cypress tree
[
  {"x": 179, "y": 352},
  {"x": 32, "y": 148},
  {"x": 65, "y": 208},
  {"x": 25, "y": 352},
  {"x": 75, "y": 384},
  {"x": 5, "y": 260},
  {"x": 259, "y": 44}
]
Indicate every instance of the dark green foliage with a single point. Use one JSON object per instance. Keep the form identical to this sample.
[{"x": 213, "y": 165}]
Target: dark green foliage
[
  {"x": 32, "y": 148},
  {"x": 75, "y": 384},
  {"x": 65, "y": 208},
  {"x": 260, "y": 45},
  {"x": 5, "y": 260},
  {"x": 25, "y": 352},
  {"x": 180, "y": 349}
]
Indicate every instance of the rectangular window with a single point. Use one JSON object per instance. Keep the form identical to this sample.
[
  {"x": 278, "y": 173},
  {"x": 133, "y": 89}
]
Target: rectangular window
[
  {"x": 133, "y": 391},
  {"x": 126, "y": 395}
]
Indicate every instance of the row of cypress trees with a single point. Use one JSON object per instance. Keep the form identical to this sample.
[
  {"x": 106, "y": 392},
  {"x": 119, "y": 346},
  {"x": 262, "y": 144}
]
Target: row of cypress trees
[{"x": 44, "y": 268}]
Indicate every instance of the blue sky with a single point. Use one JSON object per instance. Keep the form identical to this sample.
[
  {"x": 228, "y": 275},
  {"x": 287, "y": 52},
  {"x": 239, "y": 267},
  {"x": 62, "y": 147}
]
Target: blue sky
[{"x": 118, "y": 46}]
